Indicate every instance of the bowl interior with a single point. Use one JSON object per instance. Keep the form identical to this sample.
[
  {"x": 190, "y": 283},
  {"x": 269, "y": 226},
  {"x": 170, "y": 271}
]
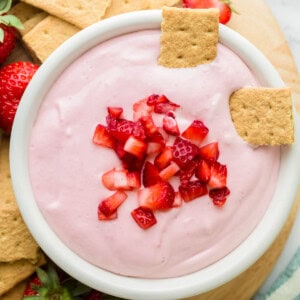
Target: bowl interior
[{"x": 214, "y": 275}]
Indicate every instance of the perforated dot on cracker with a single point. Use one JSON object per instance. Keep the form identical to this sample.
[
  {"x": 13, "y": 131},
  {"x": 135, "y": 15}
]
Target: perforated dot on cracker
[
  {"x": 263, "y": 116},
  {"x": 189, "y": 37}
]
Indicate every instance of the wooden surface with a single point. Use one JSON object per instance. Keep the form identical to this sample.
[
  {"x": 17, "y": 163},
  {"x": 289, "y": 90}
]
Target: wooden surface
[{"x": 256, "y": 23}]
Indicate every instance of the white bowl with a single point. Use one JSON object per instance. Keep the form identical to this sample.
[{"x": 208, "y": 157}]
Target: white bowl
[{"x": 133, "y": 288}]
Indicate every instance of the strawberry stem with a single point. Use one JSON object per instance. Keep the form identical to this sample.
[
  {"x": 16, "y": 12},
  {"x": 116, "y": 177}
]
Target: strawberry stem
[{"x": 229, "y": 3}]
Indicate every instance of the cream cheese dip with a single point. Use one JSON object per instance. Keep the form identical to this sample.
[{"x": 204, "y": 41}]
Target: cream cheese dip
[{"x": 65, "y": 166}]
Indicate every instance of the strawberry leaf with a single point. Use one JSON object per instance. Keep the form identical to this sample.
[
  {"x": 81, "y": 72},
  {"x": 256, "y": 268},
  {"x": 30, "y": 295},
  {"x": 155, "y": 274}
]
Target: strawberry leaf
[
  {"x": 11, "y": 21},
  {"x": 5, "y": 6},
  {"x": 1, "y": 35}
]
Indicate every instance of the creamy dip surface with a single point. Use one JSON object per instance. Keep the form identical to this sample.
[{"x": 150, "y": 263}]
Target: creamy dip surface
[{"x": 66, "y": 167}]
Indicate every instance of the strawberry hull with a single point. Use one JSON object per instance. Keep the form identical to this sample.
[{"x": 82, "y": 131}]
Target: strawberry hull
[{"x": 71, "y": 189}]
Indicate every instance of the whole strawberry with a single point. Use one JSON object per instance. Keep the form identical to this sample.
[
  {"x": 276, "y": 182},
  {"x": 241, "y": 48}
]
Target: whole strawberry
[
  {"x": 14, "y": 79},
  {"x": 224, "y": 6},
  {"x": 8, "y": 34}
]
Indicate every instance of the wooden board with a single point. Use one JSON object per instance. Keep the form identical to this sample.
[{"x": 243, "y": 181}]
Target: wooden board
[{"x": 256, "y": 23}]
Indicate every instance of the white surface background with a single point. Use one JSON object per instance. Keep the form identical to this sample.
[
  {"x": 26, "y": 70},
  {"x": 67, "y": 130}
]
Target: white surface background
[{"x": 287, "y": 13}]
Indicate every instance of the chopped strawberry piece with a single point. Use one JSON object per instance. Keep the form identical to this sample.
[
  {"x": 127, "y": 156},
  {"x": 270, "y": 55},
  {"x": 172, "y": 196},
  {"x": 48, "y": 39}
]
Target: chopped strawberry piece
[
  {"x": 139, "y": 131},
  {"x": 141, "y": 109},
  {"x": 150, "y": 175},
  {"x": 144, "y": 217},
  {"x": 103, "y": 217},
  {"x": 164, "y": 108},
  {"x": 170, "y": 125},
  {"x": 218, "y": 177},
  {"x": 178, "y": 200},
  {"x": 121, "y": 129},
  {"x": 164, "y": 158},
  {"x": 119, "y": 149},
  {"x": 155, "y": 143},
  {"x": 203, "y": 171},
  {"x": 115, "y": 112},
  {"x": 102, "y": 137},
  {"x": 135, "y": 147},
  {"x": 156, "y": 99},
  {"x": 210, "y": 151},
  {"x": 149, "y": 125},
  {"x": 192, "y": 190},
  {"x": 188, "y": 172},
  {"x": 219, "y": 196},
  {"x": 158, "y": 196},
  {"x": 196, "y": 132},
  {"x": 120, "y": 180},
  {"x": 169, "y": 171},
  {"x": 184, "y": 151},
  {"x": 132, "y": 163},
  {"x": 109, "y": 205}
]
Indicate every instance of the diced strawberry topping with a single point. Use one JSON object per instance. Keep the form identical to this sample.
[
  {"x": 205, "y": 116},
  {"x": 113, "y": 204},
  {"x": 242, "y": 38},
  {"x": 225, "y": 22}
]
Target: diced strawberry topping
[
  {"x": 121, "y": 129},
  {"x": 203, "y": 171},
  {"x": 137, "y": 143},
  {"x": 121, "y": 180},
  {"x": 115, "y": 112},
  {"x": 219, "y": 196},
  {"x": 103, "y": 217},
  {"x": 141, "y": 109},
  {"x": 196, "y": 132},
  {"x": 184, "y": 151},
  {"x": 188, "y": 172},
  {"x": 150, "y": 174},
  {"x": 192, "y": 190},
  {"x": 110, "y": 205},
  {"x": 218, "y": 177},
  {"x": 135, "y": 146},
  {"x": 157, "y": 197},
  {"x": 170, "y": 125},
  {"x": 178, "y": 200},
  {"x": 169, "y": 171},
  {"x": 149, "y": 125},
  {"x": 144, "y": 217},
  {"x": 102, "y": 137},
  {"x": 164, "y": 158},
  {"x": 210, "y": 151}
]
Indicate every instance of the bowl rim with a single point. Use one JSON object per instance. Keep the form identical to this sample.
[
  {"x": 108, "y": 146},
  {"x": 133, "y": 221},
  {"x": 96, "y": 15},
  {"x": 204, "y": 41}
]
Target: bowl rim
[{"x": 137, "y": 288}]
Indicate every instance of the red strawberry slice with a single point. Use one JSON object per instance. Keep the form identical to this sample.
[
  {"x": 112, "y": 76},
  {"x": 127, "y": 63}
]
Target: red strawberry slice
[
  {"x": 150, "y": 175},
  {"x": 188, "y": 172},
  {"x": 178, "y": 200},
  {"x": 218, "y": 177},
  {"x": 210, "y": 151},
  {"x": 149, "y": 125},
  {"x": 203, "y": 171},
  {"x": 164, "y": 108},
  {"x": 156, "y": 99},
  {"x": 115, "y": 112},
  {"x": 121, "y": 180},
  {"x": 183, "y": 151},
  {"x": 103, "y": 217},
  {"x": 157, "y": 197},
  {"x": 141, "y": 109},
  {"x": 144, "y": 217},
  {"x": 139, "y": 131},
  {"x": 192, "y": 190},
  {"x": 196, "y": 132},
  {"x": 120, "y": 129},
  {"x": 135, "y": 147},
  {"x": 102, "y": 137},
  {"x": 219, "y": 196},
  {"x": 109, "y": 205},
  {"x": 164, "y": 158},
  {"x": 156, "y": 143},
  {"x": 169, "y": 171},
  {"x": 170, "y": 125}
]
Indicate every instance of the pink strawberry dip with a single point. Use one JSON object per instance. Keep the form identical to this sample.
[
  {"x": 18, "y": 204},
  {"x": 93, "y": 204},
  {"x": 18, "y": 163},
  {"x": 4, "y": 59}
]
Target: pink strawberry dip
[{"x": 66, "y": 166}]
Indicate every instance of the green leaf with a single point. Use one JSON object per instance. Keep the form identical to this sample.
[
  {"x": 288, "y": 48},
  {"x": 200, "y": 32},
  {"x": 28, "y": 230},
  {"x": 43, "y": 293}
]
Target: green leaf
[
  {"x": 5, "y": 6},
  {"x": 43, "y": 276},
  {"x": 1, "y": 35},
  {"x": 80, "y": 289},
  {"x": 12, "y": 21},
  {"x": 31, "y": 298},
  {"x": 53, "y": 278}
]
